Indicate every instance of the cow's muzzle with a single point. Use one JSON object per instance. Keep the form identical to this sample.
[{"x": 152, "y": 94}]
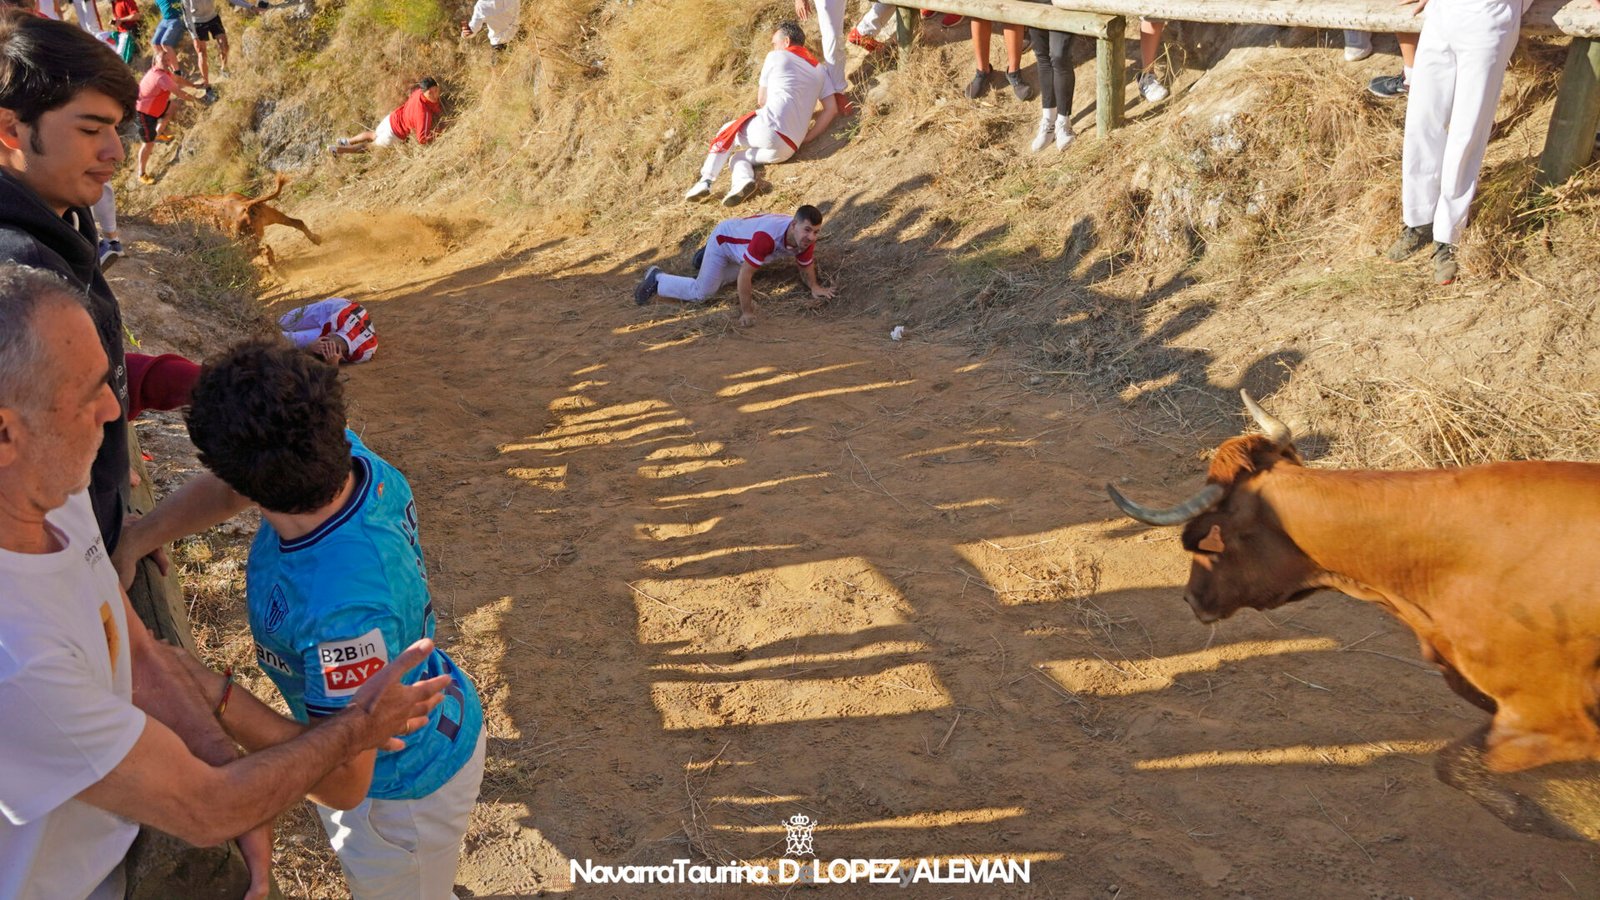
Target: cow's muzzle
[{"x": 1200, "y": 612}]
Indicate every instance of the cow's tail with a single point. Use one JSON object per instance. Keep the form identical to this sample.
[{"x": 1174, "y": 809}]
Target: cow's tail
[{"x": 277, "y": 189}]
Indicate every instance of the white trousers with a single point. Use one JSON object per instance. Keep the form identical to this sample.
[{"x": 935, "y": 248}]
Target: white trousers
[
  {"x": 756, "y": 145},
  {"x": 1455, "y": 85},
  {"x": 406, "y": 849},
  {"x": 716, "y": 270},
  {"x": 89, "y": 16},
  {"x": 875, "y": 18},
  {"x": 830, "y": 21},
  {"x": 105, "y": 212}
]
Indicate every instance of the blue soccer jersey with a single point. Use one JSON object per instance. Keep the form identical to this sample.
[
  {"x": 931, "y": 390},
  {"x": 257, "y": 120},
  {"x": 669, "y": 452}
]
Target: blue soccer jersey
[{"x": 332, "y": 607}]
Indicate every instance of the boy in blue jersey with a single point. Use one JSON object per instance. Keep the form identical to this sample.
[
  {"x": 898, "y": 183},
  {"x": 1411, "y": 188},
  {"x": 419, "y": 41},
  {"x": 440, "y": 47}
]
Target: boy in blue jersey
[{"x": 337, "y": 588}]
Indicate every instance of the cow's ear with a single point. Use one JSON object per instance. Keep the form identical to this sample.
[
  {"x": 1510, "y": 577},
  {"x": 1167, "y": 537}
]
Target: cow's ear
[{"x": 1212, "y": 542}]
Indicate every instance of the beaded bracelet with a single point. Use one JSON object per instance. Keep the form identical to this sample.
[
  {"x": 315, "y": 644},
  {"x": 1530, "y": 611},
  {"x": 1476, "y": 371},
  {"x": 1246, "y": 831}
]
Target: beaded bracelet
[{"x": 227, "y": 691}]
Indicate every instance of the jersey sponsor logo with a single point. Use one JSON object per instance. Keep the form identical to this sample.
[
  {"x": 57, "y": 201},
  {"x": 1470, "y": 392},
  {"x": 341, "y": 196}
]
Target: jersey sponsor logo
[
  {"x": 346, "y": 665},
  {"x": 266, "y": 659},
  {"x": 277, "y": 609}
]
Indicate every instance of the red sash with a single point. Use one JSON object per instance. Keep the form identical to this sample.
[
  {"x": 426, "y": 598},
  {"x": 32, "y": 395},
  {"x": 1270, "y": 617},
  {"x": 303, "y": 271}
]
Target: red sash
[
  {"x": 723, "y": 142},
  {"x": 803, "y": 53}
]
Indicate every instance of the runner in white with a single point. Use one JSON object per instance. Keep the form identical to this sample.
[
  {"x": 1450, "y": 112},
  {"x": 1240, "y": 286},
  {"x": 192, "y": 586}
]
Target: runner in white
[
  {"x": 830, "y": 21},
  {"x": 1460, "y": 68},
  {"x": 499, "y": 16},
  {"x": 792, "y": 83},
  {"x": 734, "y": 251},
  {"x": 336, "y": 329}
]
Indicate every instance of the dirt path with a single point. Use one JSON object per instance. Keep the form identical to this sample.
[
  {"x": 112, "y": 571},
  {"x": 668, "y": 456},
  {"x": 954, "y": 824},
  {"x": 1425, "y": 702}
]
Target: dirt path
[{"x": 708, "y": 579}]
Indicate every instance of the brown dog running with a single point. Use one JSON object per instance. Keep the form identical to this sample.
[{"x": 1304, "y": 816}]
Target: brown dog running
[{"x": 248, "y": 217}]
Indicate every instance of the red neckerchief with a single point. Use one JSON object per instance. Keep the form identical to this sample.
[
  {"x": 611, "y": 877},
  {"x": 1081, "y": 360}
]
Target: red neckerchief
[{"x": 803, "y": 53}]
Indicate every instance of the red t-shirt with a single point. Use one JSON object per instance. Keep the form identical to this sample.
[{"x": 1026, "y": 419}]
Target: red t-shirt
[
  {"x": 155, "y": 92},
  {"x": 415, "y": 116},
  {"x": 124, "y": 9}
]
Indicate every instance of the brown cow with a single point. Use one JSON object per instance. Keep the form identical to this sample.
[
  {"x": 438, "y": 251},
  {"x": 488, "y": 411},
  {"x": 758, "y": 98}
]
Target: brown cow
[
  {"x": 1496, "y": 568},
  {"x": 248, "y": 217}
]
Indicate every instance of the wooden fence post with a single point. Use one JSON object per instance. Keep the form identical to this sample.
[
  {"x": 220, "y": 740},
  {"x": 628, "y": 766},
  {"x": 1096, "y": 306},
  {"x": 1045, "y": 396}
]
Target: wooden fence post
[
  {"x": 1111, "y": 77},
  {"x": 902, "y": 27},
  {"x": 1570, "y": 141}
]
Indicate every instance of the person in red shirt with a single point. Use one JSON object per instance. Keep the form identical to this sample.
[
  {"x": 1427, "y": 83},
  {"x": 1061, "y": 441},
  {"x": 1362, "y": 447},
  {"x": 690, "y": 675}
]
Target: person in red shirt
[
  {"x": 155, "y": 100},
  {"x": 125, "y": 16},
  {"x": 414, "y": 117}
]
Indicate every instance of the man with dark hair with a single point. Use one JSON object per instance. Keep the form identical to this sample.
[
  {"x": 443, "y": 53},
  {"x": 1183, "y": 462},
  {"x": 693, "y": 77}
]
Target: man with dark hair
[
  {"x": 107, "y": 728},
  {"x": 792, "y": 83},
  {"x": 337, "y": 587},
  {"x": 62, "y": 96},
  {"x": 734, "y": 251}
]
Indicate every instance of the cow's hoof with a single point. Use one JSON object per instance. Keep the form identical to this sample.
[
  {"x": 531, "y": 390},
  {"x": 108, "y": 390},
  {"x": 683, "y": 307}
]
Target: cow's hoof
[{"x": 1552, "y": 812}]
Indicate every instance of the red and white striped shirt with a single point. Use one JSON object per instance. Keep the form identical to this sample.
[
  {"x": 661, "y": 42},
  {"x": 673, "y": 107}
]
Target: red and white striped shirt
[
  {"x": 756, "y": 239},
  {"x": 336, "y": 316}
]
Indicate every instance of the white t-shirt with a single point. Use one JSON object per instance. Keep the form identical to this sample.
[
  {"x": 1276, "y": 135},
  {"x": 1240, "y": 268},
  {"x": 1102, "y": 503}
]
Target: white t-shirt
[
  {"x": 306, "y": 325},
  {"x": 794, "y": 88},
  {"x": 499, "y": 15},
  {"x": 66, "y": 692}
]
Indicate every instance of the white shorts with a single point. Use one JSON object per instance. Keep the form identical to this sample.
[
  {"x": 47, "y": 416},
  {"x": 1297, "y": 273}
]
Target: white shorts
[
  {"x": 382, "y": 134},
  {"x": 406, "y": 849}
]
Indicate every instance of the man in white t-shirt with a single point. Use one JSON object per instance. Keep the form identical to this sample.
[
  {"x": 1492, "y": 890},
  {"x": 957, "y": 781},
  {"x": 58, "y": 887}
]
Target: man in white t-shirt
[
  {"x": 792, "y": 83},
  {"x": 734, "y": 251},
  {"x": 105, "y": 728}
]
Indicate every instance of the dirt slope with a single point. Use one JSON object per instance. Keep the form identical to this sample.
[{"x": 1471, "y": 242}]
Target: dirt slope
[{"x": 710, "y": 578}]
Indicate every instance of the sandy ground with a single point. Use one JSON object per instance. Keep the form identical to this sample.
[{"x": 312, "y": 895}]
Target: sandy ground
[{"x": 708, "y": 579}]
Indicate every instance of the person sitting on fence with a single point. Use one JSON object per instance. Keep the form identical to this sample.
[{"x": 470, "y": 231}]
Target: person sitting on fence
[
  {"x": 734, "y": 251},
  {"x": 336, "y": 329},
  {"x": 1150, "y": 86},
  {"x": 792, "y": 83},
  {"x": 982, "y": 30},
  {"x": 415, "y": 116},
  {"x": 1053, "y": 50},
  {"x": 1461, "y": 65}
]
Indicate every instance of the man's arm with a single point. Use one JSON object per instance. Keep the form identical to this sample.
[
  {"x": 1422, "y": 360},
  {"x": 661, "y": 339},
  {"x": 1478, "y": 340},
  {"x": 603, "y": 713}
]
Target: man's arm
[
  {"x": 204, "y": 501},
  {"x": 808, "y": 274},
  {"x": 257, "y": 726},
  {"x": 747, "y": 299},
  {"x": 161, "y": 784},
  {"x": 830, "y": 109}
]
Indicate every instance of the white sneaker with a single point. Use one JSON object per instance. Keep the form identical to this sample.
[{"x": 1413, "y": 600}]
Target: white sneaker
[
  {"x": 701, "y": 189},
  {"x": 1357, "y": 46},
  {"x": 1151, "y": 88},
  {"x": 739, "y": 193},
  {"x": 1043, "y": 137},
  {"x": 1064, "y": 135}
]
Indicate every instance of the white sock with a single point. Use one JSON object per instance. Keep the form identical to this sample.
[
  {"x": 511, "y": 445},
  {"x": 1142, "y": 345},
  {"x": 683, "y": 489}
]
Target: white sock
[
  {"x": 1063, "y": 123},
  {"x": 1406, "y": 71},
  {"x": 1049, "y": 116}
]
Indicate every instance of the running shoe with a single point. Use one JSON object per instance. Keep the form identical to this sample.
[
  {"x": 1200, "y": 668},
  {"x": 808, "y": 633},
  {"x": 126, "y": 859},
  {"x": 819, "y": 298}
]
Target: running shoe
[
  {"x": 979, "y": 85},
  {"x": 647, "y": 286},
  {"x": 146, "y": 179},
  {"x": 699, "y": 258},
  {"x": 700, "y": 190},
  {"x": 1388, "y": 87},
  {"x": 110, "y": 252},
  {"x": 951, "y": 20},
  {"x": 1410, "y": 241},
  {"x": 1357, "y": 46},
  {"x": 1444, "y": 263},
  {"x": 1046, "y": 127},
  {"x": 869, "y": 44},
  {"x": 1151, "y": 88},
  {"x": 739, "y": 194},
  {"x": 1022, "y": 89}
]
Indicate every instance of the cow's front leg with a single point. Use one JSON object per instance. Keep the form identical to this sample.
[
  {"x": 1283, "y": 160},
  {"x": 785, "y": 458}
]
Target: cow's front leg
[{"x": 1460, "y": 765}]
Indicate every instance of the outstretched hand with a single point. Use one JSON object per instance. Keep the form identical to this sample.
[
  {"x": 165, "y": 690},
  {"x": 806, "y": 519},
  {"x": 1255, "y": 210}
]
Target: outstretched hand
[
  {"x": 802, "y": 9},
  {"x": 394, "y": 709},
  {"x": 1416, "y": 6}
]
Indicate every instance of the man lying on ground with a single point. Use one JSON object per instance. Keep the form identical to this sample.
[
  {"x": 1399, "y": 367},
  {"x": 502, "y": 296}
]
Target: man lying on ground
[
  {"x": 337, "y": 588},
  {"x": 336, "y": 329},
  {"x": 734, "y": 251},
  {"x": 415, "y": 116}
]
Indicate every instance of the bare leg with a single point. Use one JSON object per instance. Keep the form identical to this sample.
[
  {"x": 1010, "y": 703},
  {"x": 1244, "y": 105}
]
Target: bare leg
[
  {"x": 222, "y": 48},
  {"x": 355, "y": 144},
  {"x": 1149, "y": 42},
  {"x": 201, "y": 52},
  {"x": 982, "y": 30},
  {"x": 1408, "y": 49},
  {"x": 1013, "y": 37},
  {"x": 144, "y": 158}
]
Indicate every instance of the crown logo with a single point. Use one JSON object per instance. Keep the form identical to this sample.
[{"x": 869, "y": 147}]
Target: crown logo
[{"x": 798, "y": 829}]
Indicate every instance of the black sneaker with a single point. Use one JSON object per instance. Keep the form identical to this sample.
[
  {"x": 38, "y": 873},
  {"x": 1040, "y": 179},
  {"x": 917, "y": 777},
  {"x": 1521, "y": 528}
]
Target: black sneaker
[
  {"x": 1388, "y": 87},
  {"x": 647, "y": 286},
  {"x": 979, "y": 85},
  {"x": 699, "y": 257},
  {"x": 1410, "y": 241},
  {"x": 1018, "y": 86},
  {"x": 1444, "y": 263}
]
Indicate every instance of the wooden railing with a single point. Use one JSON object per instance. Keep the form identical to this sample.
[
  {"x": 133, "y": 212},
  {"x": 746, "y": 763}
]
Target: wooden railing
[{"x": 1568, "y": 143}]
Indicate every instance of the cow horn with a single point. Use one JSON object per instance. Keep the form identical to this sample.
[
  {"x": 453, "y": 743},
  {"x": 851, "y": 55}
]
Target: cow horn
[
  {"x": 1209, "y": 496},
  {"x": 1275, "y": 429}
]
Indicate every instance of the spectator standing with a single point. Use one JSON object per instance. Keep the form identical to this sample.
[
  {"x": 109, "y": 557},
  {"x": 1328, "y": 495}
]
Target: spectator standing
[
  {"x": 204, "y": 21},
  {"x": 125, "y": 17},
  {"x": 109, "y": 249},
  {"x": 414, "y": 117},
  {"x": 734, "y": 251},
  {"x": 155, "y": 101},
  {"x": 792, "y": 83},
  {"x": 498, "y": 17},
  {"x": 1461, "y": 65},
  {"x": 830, "y": 22},
  {"x": 337, "y": 588},
  {"x": 170, "y": 29}
]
